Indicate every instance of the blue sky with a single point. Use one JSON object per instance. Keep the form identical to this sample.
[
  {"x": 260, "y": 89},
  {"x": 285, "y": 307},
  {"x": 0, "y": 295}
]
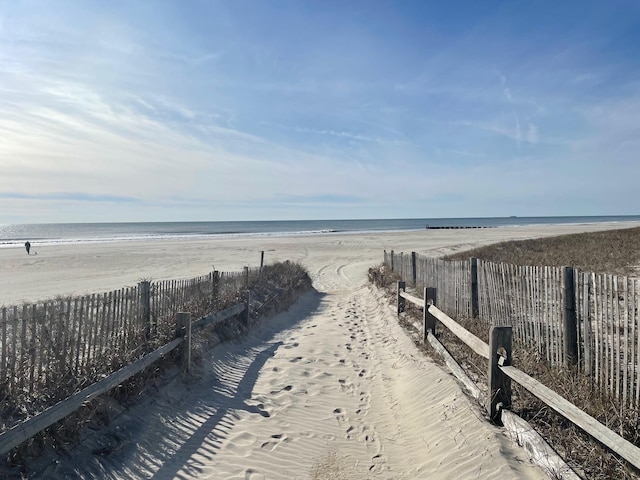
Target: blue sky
[{"x": 259, "y": 110}]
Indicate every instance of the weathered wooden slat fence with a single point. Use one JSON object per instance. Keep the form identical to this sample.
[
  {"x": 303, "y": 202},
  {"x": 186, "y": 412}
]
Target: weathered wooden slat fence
[
  {"x": 500, "y": 372},
  {"x": 451, "y": 279},
  {"x": 182, "y": 331},
  {"x": 69, "y": 351},
  {"x": 571, "y": 317},
  {"x": 48, "y": 347}
]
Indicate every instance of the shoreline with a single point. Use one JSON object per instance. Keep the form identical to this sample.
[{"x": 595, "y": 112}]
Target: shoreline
[
  {"x": 452, "y": 224},
  {"x": 80, "y": 268}
]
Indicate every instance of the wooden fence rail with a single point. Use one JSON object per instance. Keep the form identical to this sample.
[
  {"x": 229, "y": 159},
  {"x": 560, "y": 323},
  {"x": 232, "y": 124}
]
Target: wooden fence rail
[
  {"x": 183, "y": 325},
  {"x": 498, "y": 352},
  {"x": 573, "y": 318},
  {"x": 27, "y": 429},
  {"x": 52, "y": 349}
]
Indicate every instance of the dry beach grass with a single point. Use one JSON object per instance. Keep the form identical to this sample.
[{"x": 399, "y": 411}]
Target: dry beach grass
[{"x": 613, "y": 251}]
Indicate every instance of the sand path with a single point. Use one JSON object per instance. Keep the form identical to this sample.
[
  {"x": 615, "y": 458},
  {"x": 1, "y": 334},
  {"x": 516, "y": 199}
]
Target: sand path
[{"x": 331, "y": 389}]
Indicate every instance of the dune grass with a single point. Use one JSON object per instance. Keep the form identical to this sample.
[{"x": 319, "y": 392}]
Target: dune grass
[{"x": 611, "y": 251}]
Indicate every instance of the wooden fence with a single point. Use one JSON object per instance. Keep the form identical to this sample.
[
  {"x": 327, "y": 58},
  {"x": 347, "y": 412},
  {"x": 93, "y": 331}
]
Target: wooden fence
[
  {"x": 500, "y": 373},
  {"x": 571, "y": 317},
  {"x": 35, "y": 405},
  {"x": 50, "y": 349},
  {"x": 58, "y": 355},
  {"x": 26, "y": 429}
]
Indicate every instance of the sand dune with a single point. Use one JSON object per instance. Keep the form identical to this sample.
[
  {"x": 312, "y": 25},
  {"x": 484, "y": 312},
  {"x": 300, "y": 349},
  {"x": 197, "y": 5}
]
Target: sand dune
[{"x": 331, "y": 389}]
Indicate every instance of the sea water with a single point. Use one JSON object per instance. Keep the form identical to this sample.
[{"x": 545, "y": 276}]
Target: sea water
[{"x": 69, "y": 233}]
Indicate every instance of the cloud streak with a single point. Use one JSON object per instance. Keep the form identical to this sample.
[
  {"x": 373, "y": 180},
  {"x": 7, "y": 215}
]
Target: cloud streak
[
  {"x": 133, "y": 112},
  {"x": 72, "y": 196}
]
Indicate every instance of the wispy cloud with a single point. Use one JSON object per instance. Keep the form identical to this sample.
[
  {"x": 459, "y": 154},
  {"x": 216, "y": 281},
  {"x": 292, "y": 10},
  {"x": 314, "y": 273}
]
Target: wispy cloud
[
  {"x": 73, "y": 196},
  {"x": 147, "y": 112},
  {"x": 350, "y": 136}
]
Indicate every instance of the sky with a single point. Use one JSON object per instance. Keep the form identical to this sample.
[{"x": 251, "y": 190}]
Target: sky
[{"x": 289, "y": 109}]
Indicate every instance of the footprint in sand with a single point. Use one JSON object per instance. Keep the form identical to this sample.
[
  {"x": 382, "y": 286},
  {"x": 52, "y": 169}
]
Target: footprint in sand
[
  {"x": 350, "y": 433},
  {"x": 340, "y": 415},
  {"x": 346, "y": 386},
  {"x": 243, "y": 439},
  {"x": 288, "y": 388},
  {"x": 251, "y": 474},
  {"x": 276, "y": 441},
  {"x": 377, "y": 463},
  {"x": 295, "y": 360},
  {"x": 265, "y": 410}
]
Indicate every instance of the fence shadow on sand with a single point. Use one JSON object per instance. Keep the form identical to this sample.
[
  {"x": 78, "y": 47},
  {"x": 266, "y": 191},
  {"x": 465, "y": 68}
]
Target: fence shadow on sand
[{"x": 174, "y": 429}]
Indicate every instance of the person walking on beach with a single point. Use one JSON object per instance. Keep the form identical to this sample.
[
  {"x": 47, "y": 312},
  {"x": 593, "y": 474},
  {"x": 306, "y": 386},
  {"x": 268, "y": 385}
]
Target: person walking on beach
[{"x": 27, "y": 245}]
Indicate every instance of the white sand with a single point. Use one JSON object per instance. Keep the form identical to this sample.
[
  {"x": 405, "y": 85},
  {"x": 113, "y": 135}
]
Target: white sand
[
  {"x": 332, "y": 259},
  {"x": 332, "y": 389}
]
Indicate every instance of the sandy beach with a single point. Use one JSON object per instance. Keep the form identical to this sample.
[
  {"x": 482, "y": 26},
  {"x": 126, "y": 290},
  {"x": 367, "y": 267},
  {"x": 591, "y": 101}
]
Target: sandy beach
[
  {"x": 334, "y": 260},
  {"x": 331, "y": 389}
]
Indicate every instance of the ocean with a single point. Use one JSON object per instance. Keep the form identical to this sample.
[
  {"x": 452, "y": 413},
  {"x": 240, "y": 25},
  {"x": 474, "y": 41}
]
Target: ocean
[{"x": 71, "y": 233}]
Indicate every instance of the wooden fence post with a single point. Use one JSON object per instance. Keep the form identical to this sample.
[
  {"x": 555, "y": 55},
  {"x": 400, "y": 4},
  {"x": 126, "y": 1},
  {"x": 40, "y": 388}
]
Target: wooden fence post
[
  {"x": 392, "y": 261},
  {"x": 183, "y": 324},
  {"x": 247, "y": 303},
  {"x": 413, "y": 269},
  {"x": 499, "y": 384},
  {"x": 475, "y": 307},
  {"x": 261, "y": 260},
  {"x": 428, "y": 320},
  {"x": 401, "y": 287},
  {"x": 570, "y": 319},
  {"x": 586, "y": 322},
  {"x": 145, "y": 306},
  {"x": 215, "y": 286},
  {"x": 4, "y": 357},
  {"x": 246, "y": 277}
]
